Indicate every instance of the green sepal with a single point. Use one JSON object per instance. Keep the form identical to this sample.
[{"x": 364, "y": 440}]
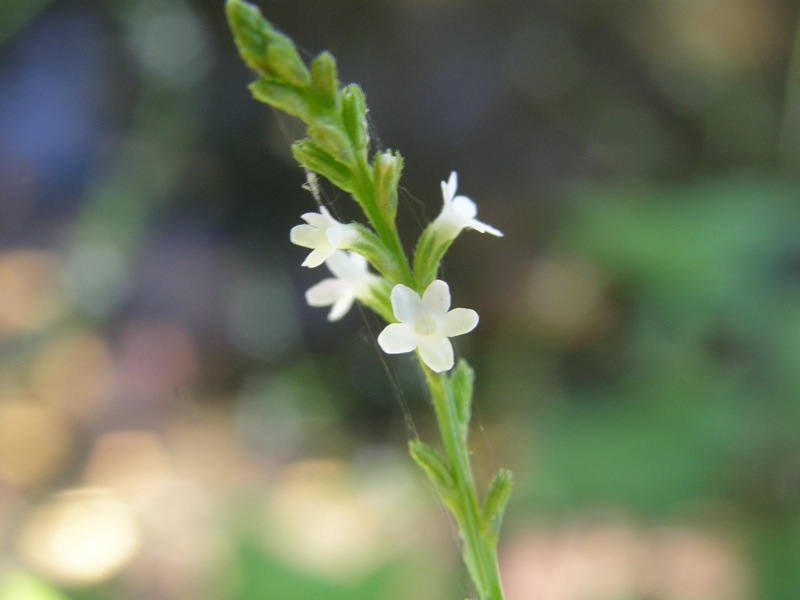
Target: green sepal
[
  {"x": 330, "y": 138},
  {"x": 312, "y": 157},
  {"x": 281, "y": 96},
  {"x": 386, "y": 169},
  {"x": 462, "y": 382},
  {"x": 435, "y": 468},
  {"x": 262, "y": 48},
  {"x": 428, "y": 255},
  {"x": 375, "y": 251},
  {"x": 354, "y": 115},
  {"x": 325, "y": 80},
  {"x": 286, "y": 62},
  {"x": 379, "y": 300},
  {"x": 494, "y": 506}
]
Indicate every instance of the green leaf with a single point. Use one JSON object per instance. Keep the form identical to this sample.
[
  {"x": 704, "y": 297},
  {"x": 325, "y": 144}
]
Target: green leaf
[
  {"x": 386, "y": 169},
  {"x": 354, "y": 115},
  {"x": 312, "y": 157},
  {"x": 495, "y": 503},
  {"x": 434, "y": 467},
  {"x": 325, "y": 80},
  {"x": 281, "y": 96}
]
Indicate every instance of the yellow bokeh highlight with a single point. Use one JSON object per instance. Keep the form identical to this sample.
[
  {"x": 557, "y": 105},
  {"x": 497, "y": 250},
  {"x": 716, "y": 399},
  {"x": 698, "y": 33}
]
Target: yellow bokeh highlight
[
  {"x": 35, "y": 440},
  {"x": 80, "y": 537}
]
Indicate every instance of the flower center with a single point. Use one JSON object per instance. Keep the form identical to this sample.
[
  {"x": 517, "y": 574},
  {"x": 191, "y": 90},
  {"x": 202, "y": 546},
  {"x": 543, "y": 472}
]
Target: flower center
[{"x": 425, "y": 325}]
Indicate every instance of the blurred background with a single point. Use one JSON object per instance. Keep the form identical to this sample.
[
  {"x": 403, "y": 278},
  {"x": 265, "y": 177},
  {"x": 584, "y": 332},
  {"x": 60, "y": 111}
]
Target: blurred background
[{"x": 176, "y": 422}]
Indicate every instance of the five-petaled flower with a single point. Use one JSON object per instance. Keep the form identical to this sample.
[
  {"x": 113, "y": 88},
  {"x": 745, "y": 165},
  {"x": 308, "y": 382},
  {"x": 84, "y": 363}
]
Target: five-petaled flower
[
  {"x": 323, "y": 234},
  {"x": 352, "y": 281},
  {"x": 458, "y": 212},
  {"x": 425, "y": 324}
]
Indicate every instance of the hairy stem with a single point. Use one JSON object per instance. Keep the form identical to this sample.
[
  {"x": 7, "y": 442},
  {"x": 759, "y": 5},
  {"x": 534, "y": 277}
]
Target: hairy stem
[{"x": 479, "y": 551}]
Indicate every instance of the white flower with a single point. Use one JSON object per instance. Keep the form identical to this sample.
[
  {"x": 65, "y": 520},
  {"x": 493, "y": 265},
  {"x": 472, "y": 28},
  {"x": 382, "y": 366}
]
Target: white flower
[
  {"x": 458, "y": 212},
  {"x": 425, "y": 324},
  {"x": 323, "y": 234},
  {"x": 352, "y": 281}
]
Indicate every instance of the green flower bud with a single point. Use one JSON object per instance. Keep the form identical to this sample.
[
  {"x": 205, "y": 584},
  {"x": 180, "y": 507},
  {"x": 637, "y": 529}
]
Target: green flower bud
[
  {"x": 354, "y": 115},
  {"x": 331, "y": 139},
  {"x": 495, "y": 504},
  {"x": 263, "y": 49},
  {"x": 324, "y": 79},
  {"x": 286, "y": 63},
  {"x": 386, "y": 169},
  {"x": 462, "y": 382}
]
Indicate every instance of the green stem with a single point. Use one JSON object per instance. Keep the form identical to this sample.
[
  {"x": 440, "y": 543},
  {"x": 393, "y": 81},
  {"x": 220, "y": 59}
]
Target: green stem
[
  {"x": 479, "y": 551},
  {"x": 385, "y": 228}
]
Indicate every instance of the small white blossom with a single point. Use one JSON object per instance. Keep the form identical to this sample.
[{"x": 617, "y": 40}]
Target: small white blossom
[
  {"x": 425, "y": 324},
  {"x": 323, "y": 234},
  {"x": 352, "y": 281},
  {"x": 458, "y": 212}
]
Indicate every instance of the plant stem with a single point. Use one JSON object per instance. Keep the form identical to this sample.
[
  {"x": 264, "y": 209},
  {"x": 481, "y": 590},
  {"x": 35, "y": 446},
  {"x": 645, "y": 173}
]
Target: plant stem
[
  {"x": 386, "y": 229},
  {"x": 479, "y": 551}
]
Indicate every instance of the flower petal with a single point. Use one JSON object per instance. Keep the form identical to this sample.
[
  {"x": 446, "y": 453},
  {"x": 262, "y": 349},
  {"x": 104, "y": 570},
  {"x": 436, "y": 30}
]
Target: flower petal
[
  {"x": 305, "y": 236},
  {"x": 465, "y": 208},
  {"x": 341, "y": 306},
  {"x": 317, "y": 257},
  {"x": 484, "y": 228},
  {"x": 325, "y": 293},
  {"x": 397, "y": 338},
  {"x": 436, "y": 299},
  {"x": 347, "y": 265},
  {"x": 406, "y": 303},
  {"x": 437, "y": 353},
  {"x": 458, "y": 322},
  {"x": 318, "y": 220},
  {"x": 449, "y": 188}
]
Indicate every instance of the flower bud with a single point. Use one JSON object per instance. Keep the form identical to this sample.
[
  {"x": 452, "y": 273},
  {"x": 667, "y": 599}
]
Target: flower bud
[
  {"x": 324, "y": 79},
  {"x": 354, "y": 115},
  {"x": 386, "y": 174}
]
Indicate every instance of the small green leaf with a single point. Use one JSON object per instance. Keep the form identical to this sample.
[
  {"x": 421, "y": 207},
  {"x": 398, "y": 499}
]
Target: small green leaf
[
  {"x": 462, "y": 382},
  {"x": 386, "y": 169},
  {"x": 433, "y": 465},
  {"x": 354, "y": 115},
  {"x": 282, "y": 97},
  {"x": 325, "y": 80},
  {"x": 312, "y": 157},
  {"x": 495, "y": 503}
]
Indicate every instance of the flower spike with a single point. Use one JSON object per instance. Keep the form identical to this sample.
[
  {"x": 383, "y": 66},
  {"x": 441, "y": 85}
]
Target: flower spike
[{"x": 425, "y": 324}]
